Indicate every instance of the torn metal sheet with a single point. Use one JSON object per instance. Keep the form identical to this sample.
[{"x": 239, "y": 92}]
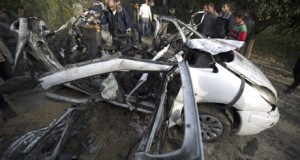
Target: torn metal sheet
[
  {"x": 249, "y": 71},
  {"x": 235, "y": 43},
  {"x": 111, "y": 88},
  {"x": 144, "y": 77},
  {"x": 95, "y": 68},
  {"x": 36, "y": 42},
  {"x": 192, "y": 143}
]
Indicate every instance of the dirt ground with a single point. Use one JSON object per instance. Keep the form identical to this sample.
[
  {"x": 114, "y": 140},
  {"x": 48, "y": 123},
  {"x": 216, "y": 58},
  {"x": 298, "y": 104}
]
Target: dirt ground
[
  {"x": 113, "y": 133},
  {"x": 278, "y": 143}
]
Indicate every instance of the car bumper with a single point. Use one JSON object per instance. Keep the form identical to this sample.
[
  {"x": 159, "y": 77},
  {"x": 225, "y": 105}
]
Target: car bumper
[{"x": 255, "y": 122}]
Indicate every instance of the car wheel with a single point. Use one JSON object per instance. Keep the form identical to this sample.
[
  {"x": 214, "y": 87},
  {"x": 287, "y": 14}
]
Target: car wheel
[{"x": 214, "y": 124}]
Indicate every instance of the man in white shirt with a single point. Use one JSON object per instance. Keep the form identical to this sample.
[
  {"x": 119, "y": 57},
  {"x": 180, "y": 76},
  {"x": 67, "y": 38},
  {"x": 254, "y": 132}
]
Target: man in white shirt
[{"x": 146, "y": 16}]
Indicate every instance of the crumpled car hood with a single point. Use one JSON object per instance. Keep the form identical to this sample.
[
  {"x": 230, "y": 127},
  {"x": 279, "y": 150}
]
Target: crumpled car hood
[
  {"x": 249, "y": 71},
  {"x": 214, "y": 46},
  {"x": 240, "y": 64}
]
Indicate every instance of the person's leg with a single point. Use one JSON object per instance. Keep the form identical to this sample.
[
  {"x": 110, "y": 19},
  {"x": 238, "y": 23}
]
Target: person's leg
[
  {"x": 137, "y": 35},
  {"x": 6, "y": 73},
  {"x": 147, "y": 28},
  {"x": 67, "y": 51},
  {"x": 143, "y": 27},
  {"x": 153, "y": 26},
  {"x": 296, "y": 82},
  {"x": 165, "y": 27},
  {"x": 294, "y": 85},
  {"x": 12, "y": 48},
  {"x": 7, "y": 112},
  {"x": 92, "y": 51}
]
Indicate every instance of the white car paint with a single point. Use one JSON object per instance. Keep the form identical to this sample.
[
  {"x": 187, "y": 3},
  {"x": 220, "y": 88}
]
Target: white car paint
[
  {"x": 256, "y": 113},
  {"x": 248, "y": 70},
  {"x": 254, "y": 122},
  {"x": 214, "y": 46}
]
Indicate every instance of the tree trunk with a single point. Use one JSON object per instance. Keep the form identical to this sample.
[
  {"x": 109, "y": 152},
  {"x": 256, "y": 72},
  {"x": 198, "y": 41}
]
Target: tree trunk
[{"x": 249, "y": 47}]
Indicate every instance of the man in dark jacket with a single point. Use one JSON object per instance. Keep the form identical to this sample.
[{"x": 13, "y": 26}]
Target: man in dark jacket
[
  {"x": 210, "y": 17},
  {"x": 6, "y": 34},
  {"x": 224, "y": 22},
  {"x": 118, "y": 19},
  {"x": 5, "y": 73}
]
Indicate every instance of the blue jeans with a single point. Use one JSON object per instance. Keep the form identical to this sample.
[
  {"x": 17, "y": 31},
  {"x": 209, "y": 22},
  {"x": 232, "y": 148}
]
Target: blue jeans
[{"x": 145, "y": 27}]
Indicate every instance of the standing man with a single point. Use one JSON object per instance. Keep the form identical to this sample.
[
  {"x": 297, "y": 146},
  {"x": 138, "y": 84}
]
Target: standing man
[
  {"x": 154, "y": 12},
  {"x": 165, "y": 12},
  {"x": 5, "y": 73},
  {"x": 118, "y": 19},
  {"x": 208, "y": 22},
  {"x": 134, "y": 12},
  {"x": 6, "y": 34},
  {"x": 224, "y": 22},
  {"x": 205, "y": 8},
  {"x": 146, "y": 16},
  {"x": 211, "y": 9}
]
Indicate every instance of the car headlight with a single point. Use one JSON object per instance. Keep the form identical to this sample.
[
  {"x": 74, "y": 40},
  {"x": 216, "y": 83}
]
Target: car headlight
[{"x": 266, "y": 94}]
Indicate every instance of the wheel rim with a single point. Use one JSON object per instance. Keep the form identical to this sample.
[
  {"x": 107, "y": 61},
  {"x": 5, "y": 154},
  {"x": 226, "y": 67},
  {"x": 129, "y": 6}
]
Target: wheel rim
[{"x": 211, "y": 127}]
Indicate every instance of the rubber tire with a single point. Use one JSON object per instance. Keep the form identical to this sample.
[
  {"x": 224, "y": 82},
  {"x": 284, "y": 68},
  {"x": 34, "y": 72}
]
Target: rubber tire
[{"x": 213, "y": 111}]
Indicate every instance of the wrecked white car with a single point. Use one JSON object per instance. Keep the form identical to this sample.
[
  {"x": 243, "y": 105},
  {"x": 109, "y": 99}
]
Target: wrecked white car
[
  {"x": 235, "y": 96},
  {"x": 231, "y": 93}
]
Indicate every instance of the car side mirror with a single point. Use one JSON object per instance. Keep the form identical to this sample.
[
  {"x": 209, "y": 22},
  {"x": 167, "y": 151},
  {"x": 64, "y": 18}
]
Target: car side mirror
[{"x": 214, "y": 67}]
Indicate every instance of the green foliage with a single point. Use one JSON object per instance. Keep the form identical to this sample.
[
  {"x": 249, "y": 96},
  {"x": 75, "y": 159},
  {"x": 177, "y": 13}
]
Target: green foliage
[
  {"x": 53, "y": 12},
  {"x": 268, "y": 44},
  {"x": 283, "y": 13}
]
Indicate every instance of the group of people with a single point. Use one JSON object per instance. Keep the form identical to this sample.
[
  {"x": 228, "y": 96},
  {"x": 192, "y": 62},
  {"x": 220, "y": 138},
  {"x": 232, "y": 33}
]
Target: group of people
[
  {"x": 138, "y": 19},
  {"x": 226, "y": 25}
]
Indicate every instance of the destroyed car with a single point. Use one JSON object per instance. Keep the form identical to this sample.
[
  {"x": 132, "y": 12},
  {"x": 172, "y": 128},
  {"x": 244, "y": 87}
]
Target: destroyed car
[
  {"x": 235, "y": 96},
  {"x": 138, "y": 84},
  {"x": 232, "y": 94}
]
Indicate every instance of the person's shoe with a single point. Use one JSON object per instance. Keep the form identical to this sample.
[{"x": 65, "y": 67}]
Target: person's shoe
[{"x": 8, "y": 112}]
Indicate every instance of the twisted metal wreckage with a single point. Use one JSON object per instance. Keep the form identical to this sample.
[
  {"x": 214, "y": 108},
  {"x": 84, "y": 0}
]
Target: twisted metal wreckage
[
  {"x": 218, "y": 74},
  {"x": 29, "y": 146}
]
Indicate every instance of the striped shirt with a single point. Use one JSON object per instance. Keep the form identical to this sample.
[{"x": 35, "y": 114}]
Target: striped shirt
[{"x": 238, "y": 32}]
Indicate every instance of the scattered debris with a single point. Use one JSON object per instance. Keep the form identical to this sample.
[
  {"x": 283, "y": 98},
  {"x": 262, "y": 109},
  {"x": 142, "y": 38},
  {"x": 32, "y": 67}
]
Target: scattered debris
[
  {"x": 138, "y": 127},
  {"x": 251, "y": 147}
]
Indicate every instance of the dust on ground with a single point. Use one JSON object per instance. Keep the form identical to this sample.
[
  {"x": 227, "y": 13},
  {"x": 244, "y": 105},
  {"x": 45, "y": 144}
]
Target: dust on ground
[{"x": 113, "y": 136}]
